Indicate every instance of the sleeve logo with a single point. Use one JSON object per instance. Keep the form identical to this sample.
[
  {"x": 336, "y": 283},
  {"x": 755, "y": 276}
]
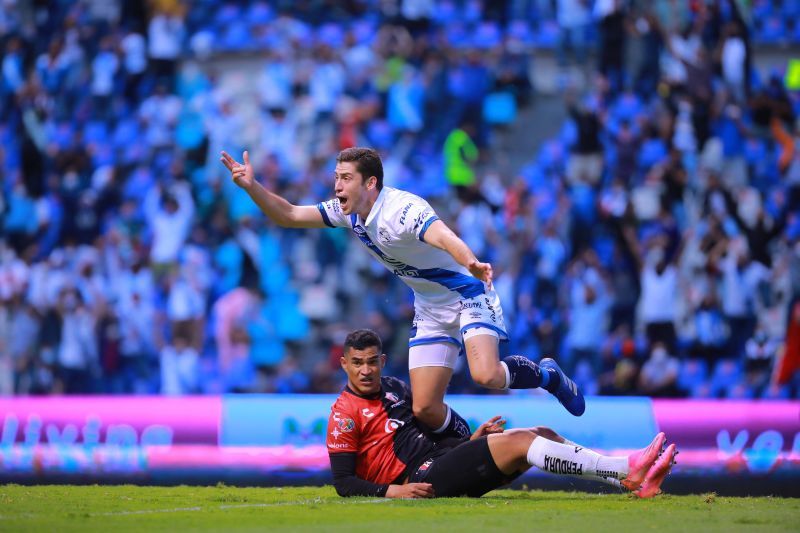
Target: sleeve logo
[{"x": 346, "y": 425}]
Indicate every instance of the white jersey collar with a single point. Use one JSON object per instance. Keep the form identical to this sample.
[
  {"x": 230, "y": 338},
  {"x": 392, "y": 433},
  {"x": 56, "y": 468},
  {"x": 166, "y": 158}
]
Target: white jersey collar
[{"x": 376, "y": 206}]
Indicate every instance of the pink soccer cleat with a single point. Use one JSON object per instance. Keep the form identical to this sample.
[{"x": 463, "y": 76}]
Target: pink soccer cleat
[
  {"x": 655, "y": 476},
  {"x": 639, "y": 462}
]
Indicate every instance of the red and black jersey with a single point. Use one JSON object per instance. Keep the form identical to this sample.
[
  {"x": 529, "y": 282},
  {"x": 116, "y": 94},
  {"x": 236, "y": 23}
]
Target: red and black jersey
[{"x": 379, "y": 434}]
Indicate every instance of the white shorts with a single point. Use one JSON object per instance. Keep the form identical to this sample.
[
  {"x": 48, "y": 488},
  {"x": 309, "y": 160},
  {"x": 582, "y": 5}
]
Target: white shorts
[{"x": 452, "y": 324}]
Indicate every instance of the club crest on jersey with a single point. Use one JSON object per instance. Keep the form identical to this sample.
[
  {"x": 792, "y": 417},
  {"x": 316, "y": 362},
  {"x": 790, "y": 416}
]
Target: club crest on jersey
[
  {"x": 426, "y": 465},
  {"x": 392, "y": 397},
  {"x": 393, "y": 425},
  {"x": 383, "y": 236},
  {"x": 346, "y": 424}
]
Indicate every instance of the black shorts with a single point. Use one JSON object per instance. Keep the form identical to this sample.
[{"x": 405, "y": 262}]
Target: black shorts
[{"x": 465, "y": 470}]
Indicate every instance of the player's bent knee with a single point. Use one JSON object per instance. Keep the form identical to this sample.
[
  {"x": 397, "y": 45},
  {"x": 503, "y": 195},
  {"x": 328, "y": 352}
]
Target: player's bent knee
[
  {"x": 428, "y": 413},
  {"x": 490, "y": 379},
  {"x": 545, "y": 432}
]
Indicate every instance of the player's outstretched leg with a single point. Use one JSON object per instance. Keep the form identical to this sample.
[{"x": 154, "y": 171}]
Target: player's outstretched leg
[
  {"x": 640, "y": 462},
  {"x": 563, "y": 388},
  {"x": 558, "y": 458},
  {"x": 655, "y": 476},
  {"x": 518, "y": 372}
]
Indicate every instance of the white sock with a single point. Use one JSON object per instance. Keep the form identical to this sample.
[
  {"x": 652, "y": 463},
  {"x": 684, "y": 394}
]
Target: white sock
[
  {"x": 602, "y": 465},
  {"x": 446, "y": 421},
  {"x": 508, "y": 375},
  {"x": 575, "y": 460}
]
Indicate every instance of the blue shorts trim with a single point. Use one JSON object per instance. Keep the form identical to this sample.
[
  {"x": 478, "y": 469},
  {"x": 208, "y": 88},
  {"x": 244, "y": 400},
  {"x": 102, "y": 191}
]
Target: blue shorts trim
[
  {"x": 433, "y": 340},
  {"x": 503, "y": 335}
]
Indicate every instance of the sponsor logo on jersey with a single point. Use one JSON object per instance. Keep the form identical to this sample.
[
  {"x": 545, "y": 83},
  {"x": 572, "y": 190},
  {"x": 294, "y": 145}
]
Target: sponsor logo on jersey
[
  {"x": 421, "y": 218},
  {"x": 397, "y": 404},
  {"x": 367, "y": 413},
  {"x": 474, "y": 315},
  {"x": 404, "y": 213},
  {"x": 393, "y": 424},
  {"x": 392, "y": 397},
  {"x": 562, "y": 466},
  {"x": 336, "y": 433},
  {"x": 337, "y": 445},
  {"x": 490, "y": 307},
  {"x": 383, "y": 235},
  {"x": 471, "y": 305},
  {"x": 346, "y": 424}
]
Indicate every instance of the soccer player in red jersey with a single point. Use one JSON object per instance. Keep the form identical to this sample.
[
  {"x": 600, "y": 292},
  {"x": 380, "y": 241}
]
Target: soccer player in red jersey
[{"x": 378, "y": 448}]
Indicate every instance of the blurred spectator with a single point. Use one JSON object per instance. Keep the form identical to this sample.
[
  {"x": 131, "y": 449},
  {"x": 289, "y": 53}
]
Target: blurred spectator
[
  {"x": 585, "y": 163},
  {"x": 573, "y": 20},
  {"x": 759, "y": 357},
  {"x": 733, "y": 59},
  {"x": 659, "y": 282},
  {"x": 460, "y": 156},
  {"x": 169, "y": 214},
  {"x": 612, "y": 29},
  {"x": 78, "y": 363},
  {"x": 659, "y": 374},
  {"x": 165, "y": 34},
  {"x": 179, "y": 367}
]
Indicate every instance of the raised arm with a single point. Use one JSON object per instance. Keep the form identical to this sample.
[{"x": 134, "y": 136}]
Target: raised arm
[
  {"x": 442, "y": 237},
  {"x": 277, "y": 208}
]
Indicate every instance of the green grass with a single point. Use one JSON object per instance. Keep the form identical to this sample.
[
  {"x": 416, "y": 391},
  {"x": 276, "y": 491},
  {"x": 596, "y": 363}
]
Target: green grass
[{"x": 129, "y": 508}]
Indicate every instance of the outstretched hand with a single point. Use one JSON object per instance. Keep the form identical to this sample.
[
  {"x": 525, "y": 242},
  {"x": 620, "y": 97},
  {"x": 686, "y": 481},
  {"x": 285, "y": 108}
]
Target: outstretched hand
[
  {"x": 482, "y": 271},
  {"x": 496, "y": 424},
  {"x": 242, "y": 174}
]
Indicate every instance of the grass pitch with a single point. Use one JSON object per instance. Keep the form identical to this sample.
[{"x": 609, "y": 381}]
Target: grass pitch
[{"x": 221, "y": 508}]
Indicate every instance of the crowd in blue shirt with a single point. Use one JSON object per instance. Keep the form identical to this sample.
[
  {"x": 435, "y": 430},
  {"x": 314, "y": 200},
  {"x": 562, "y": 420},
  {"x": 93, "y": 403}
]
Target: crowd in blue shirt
[{"x": 652, "y": 245}]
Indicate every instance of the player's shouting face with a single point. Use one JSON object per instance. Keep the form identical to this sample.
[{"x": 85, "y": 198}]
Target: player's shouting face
[
  {"x": 363, "y": 368},
  {"x": 351, "y": 188}
]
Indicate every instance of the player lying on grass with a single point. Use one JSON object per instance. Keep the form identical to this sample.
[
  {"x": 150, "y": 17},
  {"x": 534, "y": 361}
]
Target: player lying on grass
[
  {"x": 455, "y": 304},
  {"x": 378, "y": 448}
]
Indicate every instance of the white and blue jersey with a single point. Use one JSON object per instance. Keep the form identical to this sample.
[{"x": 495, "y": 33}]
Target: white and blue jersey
[{"x": 445, "y": 293}]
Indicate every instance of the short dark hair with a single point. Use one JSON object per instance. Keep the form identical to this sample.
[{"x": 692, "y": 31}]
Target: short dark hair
[
  {"x": 368, "y": 162},
  {"x": 361, "y": 339}
]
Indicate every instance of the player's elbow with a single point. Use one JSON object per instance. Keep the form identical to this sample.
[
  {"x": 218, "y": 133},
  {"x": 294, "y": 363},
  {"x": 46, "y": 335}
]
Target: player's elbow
[{"x": 341, "y": 489}]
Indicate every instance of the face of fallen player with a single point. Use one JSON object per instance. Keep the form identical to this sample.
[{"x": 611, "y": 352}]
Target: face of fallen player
[
  {"x": 363, "y": 368},
  {"x": 356, "y": 193}
]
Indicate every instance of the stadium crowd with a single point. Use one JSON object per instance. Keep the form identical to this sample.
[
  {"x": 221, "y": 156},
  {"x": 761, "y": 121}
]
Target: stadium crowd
[{"x": 652, "y": 245}]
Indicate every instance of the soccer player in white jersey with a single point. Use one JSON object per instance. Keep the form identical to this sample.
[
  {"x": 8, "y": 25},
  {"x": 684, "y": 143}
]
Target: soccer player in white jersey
[{"x": 454, "y": 302}]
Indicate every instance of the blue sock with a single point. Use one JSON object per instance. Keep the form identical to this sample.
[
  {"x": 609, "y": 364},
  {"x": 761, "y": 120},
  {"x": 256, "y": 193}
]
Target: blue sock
[
  {"x": 525, "y": 374},
  {"x": 454, "y": 426}
]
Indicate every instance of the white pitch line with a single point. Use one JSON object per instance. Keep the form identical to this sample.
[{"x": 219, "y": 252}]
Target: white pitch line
[{"x": 197, "y": 508}]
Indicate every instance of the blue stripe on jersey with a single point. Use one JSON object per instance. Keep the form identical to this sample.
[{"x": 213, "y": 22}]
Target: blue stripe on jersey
[
  {"x": 426, "y": 226},
  {"x": 466, "y": 286},
  {"x": 324, "y": 214}
]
